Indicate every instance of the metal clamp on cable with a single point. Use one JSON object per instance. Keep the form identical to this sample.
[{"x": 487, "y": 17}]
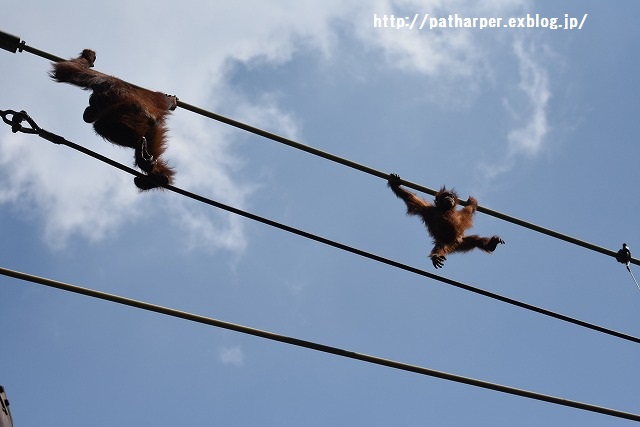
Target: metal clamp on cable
[
  {"x": 16, "y": 121},
  {"x": 16, "y": 125},
  {"x": 9, "y": 42},
  {"x": 624, "y": 256}
]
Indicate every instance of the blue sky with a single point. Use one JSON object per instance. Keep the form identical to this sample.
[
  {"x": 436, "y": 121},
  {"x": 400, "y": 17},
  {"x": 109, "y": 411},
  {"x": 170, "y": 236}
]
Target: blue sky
[{"x": 537, "y": 124}]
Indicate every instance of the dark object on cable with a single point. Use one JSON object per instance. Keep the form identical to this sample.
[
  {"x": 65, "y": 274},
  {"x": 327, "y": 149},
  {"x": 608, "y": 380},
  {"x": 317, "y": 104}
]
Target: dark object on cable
[
  {"x": 9, "y": 42},
  {"x": 624, "y": 255}
]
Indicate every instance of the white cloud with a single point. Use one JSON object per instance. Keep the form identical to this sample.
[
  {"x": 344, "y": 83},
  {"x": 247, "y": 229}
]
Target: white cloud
[
  {"x": 534, "y": 84},
  {"x": 443, "y": 53},
  {"x": 231, "y": 356},
  {"x": 85, "y": 199},
  {"x": 76, "y": 197},
  {"x": 527, "y": 138},
  {"x": 458, "y": 61}
]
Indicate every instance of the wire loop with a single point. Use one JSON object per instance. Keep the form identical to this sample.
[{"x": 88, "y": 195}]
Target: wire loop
[
  {"x": 16, "y": 121},
  {"x": 60, "y": 140}
]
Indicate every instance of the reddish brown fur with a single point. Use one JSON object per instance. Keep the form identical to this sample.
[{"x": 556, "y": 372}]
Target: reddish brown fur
[
  {"x": 124, "y": 114},
  {"x": 445, "y": 224}
]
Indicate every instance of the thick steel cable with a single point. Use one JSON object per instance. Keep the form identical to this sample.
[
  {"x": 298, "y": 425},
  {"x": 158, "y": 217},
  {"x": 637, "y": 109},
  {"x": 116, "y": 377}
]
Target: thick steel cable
[
  {"x": 385, "y": 176},
  {"x": 13, "y": 44},
  {"x": 316, "y": 346},
  {"x": 18, "y": 118}
]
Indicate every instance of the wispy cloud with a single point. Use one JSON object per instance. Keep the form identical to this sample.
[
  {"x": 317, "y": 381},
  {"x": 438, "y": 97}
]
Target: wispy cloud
[
  {"x": 529, "y": 139},
  {"x": 75, "y": 197},
  {"x": 448, "y": 54},
  {"x": 202, "y": 152},
  {"x": 231, "y": 355},
  {"x": 459, "y": 61},
  {"x": 71, "y": 200},
  {"x": 528, "y": 108}
]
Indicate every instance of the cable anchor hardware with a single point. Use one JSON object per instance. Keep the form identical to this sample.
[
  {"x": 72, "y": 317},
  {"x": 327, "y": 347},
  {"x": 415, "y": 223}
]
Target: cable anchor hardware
[
  {"x": 16, "y": 121},
  {"x": 624, "y": 257},
  {"x": 10, "y": 42},
  {"x": 16, "y": 125}
]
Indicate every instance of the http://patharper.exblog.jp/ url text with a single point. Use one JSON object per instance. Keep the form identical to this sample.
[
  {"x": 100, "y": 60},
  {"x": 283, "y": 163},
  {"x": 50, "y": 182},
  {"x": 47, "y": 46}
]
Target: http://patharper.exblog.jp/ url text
[{"x": 425, "y": 21}]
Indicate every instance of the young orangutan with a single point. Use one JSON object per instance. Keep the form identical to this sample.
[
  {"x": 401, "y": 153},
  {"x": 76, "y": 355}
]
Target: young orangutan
[{"x": 445, "y": 224}]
